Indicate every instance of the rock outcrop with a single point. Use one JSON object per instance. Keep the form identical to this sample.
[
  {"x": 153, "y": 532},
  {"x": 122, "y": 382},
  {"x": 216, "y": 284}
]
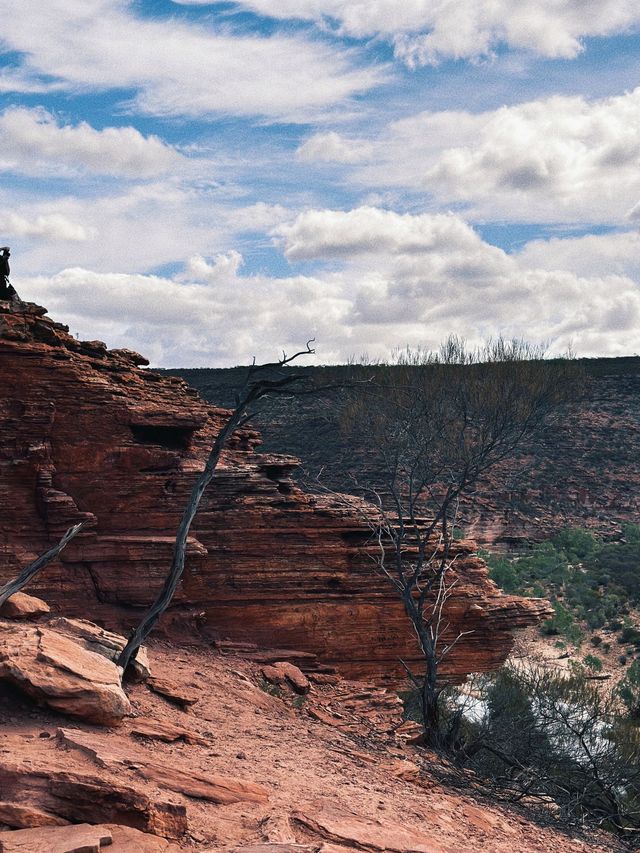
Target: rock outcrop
[
  {"x": 57, "y": 670},
  {"x": 87, "y": 434}
]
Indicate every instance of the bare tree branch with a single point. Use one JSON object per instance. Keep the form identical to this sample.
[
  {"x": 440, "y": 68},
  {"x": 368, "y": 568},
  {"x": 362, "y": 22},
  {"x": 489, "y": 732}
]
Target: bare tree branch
[{"x": 33, "y": 568}]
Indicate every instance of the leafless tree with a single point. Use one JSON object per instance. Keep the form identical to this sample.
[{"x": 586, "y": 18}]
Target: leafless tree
[
  {"x": 432, "y": 425},
  {"x": 30, "y": 571},
  {"x": 261, "y": 381},
  {"x": 548, "y": 736}
]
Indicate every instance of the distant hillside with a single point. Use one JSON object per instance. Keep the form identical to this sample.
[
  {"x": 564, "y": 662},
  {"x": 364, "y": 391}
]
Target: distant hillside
[{"x": 585, "y": 471}]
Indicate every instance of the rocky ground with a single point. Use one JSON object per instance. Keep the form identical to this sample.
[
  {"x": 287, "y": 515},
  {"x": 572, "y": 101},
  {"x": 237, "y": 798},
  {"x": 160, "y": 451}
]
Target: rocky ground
[{"x": 222, "y": 753}]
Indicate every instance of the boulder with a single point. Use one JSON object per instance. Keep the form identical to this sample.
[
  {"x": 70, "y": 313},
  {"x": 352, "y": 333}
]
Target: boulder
[
  {"x": 23, "y": 606},
  {"x": 58, "y": 672},
  {"x": 105, "y": 643},
  {"x": 283, "y": 672}
]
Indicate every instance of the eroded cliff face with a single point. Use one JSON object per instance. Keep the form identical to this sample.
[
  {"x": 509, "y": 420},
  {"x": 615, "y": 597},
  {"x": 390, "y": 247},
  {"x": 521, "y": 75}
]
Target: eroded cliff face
[{"x": 87, "y": 433}]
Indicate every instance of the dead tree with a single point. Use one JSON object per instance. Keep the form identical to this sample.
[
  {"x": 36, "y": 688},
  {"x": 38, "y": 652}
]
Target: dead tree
[
  {"x": 262, "y": 380},
  {"x": 30, "y": 571},
  {"x": 432, "y": 426}
]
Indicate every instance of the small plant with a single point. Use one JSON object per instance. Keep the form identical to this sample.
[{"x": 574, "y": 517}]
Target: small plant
[
  {"x": 271, "y": 689},
  {"x": 592, "y": 663},
  {"x": 629, "y": 690}
]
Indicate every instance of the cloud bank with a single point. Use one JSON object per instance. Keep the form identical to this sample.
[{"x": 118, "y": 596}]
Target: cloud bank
[
  {"x": 427, "y": 31},
  {"x": 401, "y": 279},
  {"x": 175, "y": 68},
  {"x": 557, "y": 159}
]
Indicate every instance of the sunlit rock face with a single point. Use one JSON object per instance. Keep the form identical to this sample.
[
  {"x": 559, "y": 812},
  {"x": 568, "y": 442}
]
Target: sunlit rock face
[{"x": 88, "y": 433}]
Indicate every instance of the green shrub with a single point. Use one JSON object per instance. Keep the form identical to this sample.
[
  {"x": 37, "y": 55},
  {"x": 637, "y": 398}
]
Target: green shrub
[
  {"x": 592, "y": 663},
  {"x": 629, "y": 690},
  {"x": 629, "y": 635}
]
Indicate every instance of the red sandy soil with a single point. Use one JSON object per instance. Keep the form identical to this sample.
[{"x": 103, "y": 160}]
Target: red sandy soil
[{"x": 339, "y": 781}]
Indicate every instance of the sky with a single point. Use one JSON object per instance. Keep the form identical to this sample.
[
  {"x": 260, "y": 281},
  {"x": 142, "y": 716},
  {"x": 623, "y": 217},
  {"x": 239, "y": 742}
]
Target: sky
[{"x": 208, "y": 182}]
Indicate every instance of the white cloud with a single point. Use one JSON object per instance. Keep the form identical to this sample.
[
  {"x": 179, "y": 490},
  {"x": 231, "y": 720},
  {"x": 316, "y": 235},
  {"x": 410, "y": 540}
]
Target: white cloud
[
  {"x": 593, "y": 254},
  {"x": 331, "y": 147},
  {"x": 217, "y": 318},
  {"x": 371, "y": 231},
  {"x": 559, "y": 159},
  {"x": 178, "y": 68},
  {"x": 401, "y": 280},
  {"x": 32, "y": 141},
  {"x": 54, "y": 226},
  {"x": 137, "y": 228},
  {"x": 426, "y": 31}
]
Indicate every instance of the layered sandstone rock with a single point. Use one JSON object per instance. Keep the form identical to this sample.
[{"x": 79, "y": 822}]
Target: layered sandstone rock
[
  {"x": 56, "y": 670},
  {"x": 88, "y": 434}
]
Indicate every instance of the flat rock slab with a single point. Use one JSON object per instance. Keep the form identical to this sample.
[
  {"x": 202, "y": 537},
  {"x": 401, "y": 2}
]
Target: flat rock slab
[
  {"x": 129, "y": 840},
  {"x": 167, "y": 732},
  {"x": 103, "y": 642},
  {"x": 81, "y": 838},
  {"x": 365, "y": 833},
  {"x": 272, "y": 848},
  {"x": 23, "y": 606},
  {"x": 216, "y": 789},
  {"x": 19, "y": 816},
  {"x": 79, "y": 798},
  {"x": 84, "y": 838},
  {"x": 58, "y": 672},
  {"x": 174, "y": 692}
]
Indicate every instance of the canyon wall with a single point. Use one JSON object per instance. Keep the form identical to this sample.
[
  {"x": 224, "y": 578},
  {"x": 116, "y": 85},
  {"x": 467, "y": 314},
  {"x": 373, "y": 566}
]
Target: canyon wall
[
  {"x": 88, "y": 433},
  {"x": 583, "y": 470}
]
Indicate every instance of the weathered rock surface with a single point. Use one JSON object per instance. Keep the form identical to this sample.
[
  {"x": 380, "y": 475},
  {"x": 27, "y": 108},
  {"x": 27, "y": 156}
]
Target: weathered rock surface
[
  {"x": 56, "y": 671},
  {"x": 365, "y": 833},
  {"x": 105, "y": 643},
  {"x": 348, "y": 784},
  {"x": 18, "y": 816},
  {"x": 70, "y": 839},
  {"x": 23, "y": 606},
  {"x": 83, "y": 838},
  {"x": 176, "y": 693},
  {"x": 164, "y": 731},
  {"x": 215, "y": 789},
  {"x": 283, "y": 672},
  {"x": 89, "y": 435},
  {"x": 92, "y": 798},
  {"x": 191, "y": 783}
]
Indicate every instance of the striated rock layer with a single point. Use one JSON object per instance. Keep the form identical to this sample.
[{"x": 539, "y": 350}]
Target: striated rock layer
[{"x": 88, "y": 434}]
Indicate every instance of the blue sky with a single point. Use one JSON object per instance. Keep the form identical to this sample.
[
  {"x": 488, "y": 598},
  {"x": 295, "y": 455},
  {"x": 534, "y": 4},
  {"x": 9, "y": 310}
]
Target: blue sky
[{"x": 207, "y": 182}]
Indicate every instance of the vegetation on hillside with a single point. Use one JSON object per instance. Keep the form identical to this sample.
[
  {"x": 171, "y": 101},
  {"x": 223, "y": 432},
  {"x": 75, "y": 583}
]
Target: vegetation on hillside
[
  {"x": 536, "y": 735},
  {"x": 593, "y": 585}
]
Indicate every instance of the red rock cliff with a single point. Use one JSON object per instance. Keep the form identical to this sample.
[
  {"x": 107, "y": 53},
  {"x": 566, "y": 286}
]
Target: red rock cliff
[{"x": 88, "y": 433}]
